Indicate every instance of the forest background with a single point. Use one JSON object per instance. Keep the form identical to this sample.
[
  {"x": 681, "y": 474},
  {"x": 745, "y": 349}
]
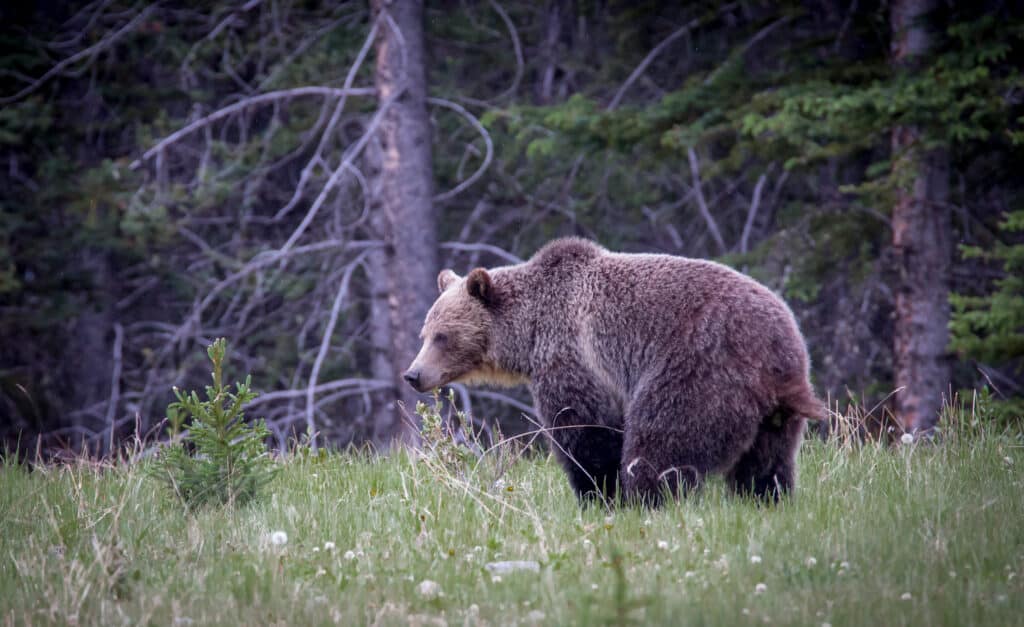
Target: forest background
[{"x": 292, "y": 176}]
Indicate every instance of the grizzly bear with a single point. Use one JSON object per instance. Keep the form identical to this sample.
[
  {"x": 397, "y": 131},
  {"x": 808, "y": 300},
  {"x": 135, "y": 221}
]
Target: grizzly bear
[{"x": 648, "y": 371}]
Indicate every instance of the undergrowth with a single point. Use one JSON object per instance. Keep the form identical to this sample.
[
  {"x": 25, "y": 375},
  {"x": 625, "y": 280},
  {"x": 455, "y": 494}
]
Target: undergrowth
[{"x": 921, "y": 531}]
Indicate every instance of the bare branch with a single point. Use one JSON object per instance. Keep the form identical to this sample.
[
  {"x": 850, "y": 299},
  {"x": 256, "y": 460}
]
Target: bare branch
[
  {"x": 220, "y": 114},
  {"x": 92, "y": 50},
  {"x": 761, "y": 34},
  {"x": 702, "y": 204},
  {"x": 653, "y": 54},
  {"x": 482, "y": 247},
  {"x": 338, "y": 384},
  {"x": 487, "y": 142},
  {"x": 504, "y": 398},
  {"x": 329, "y": 131},
  {"x": 115, "y": 383},
  {"x": 749, "y": 224},
  {"x": 517, "y": 47},
  {"x": 325, "y": 343}
]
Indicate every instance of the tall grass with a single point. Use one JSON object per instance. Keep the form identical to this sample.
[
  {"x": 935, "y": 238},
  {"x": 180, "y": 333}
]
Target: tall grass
[{"x": 926, "y": 533}]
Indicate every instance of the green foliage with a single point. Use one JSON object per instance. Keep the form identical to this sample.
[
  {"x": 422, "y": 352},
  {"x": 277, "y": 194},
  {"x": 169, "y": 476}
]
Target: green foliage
[
  {"x": 990, "y": 327},
  {"x": 438, "y": 440},
  {"x": 230, "y": 463}
]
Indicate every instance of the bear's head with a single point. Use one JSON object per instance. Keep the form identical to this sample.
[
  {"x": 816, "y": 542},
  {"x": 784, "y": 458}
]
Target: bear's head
[{"x": 456, "y": 333}]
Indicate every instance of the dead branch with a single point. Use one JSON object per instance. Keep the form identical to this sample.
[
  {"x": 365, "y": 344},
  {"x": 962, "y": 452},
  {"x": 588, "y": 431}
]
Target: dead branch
[
  {"x": 91, "y": 51},
  {"x": 482, "y": 247},
  {"x": 325, "y": 342},
  {"x": 284, "y": 94},
  {"x": 115, "y": 382},
  {"x": 517, "y": 47},
  {"x": 653, "y": 54},
  {"x": 702, "y": 204},
  {"x": 749, "y": 224},
  {"x": 331, "y": 125},
  {"x": 487, "y": 142}
]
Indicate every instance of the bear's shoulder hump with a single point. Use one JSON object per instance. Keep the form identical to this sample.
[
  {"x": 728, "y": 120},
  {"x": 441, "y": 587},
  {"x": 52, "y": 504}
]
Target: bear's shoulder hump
[{"x": 566, "y": 249}]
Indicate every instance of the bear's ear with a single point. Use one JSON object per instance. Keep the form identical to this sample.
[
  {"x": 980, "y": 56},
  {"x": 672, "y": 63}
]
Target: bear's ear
[
  {"x": 446, "y": 278},
  {"x": 479, "y": 286}
]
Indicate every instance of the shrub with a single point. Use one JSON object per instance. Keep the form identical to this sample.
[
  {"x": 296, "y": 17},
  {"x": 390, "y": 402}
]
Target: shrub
[{"x": 220, "y": 459}]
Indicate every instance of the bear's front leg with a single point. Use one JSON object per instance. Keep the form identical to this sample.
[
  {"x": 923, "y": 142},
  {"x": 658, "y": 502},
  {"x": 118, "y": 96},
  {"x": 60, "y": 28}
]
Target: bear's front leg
[{"x": 584, "y": 425}]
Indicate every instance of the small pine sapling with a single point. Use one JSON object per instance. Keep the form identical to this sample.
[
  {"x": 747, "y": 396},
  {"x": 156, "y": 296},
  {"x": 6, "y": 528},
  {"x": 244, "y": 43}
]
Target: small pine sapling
[{"x": 220, "y": 459}]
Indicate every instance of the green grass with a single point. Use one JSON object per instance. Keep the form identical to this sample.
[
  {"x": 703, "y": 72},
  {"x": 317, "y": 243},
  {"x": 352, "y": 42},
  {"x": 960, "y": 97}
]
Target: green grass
[{"x": 922, "y": 534}]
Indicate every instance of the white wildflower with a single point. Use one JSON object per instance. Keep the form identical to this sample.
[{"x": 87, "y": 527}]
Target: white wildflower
[
  {"x": 844, "y": 565},
  {"x": 496, "y": 579},
  {"x": 278, "y": 538},
  {"x": 328, "y": 546},
  {"x": 535, "y": 616},
  {"x": 907, "y": 438},
  {"x": 593, "y": 586},
  {"x": 320, "y": 572},
  {"x": 663, "y": 545},
  {"x": 755, "y": 559},
  {"x": 349, "y": 556},
  {"x": 690, "y": 574},
  {"x": 428, "y": 589},
  {"x": 906, "y": 596},
  {"x": 811, "y": 562},
  {"x": 760, "y": 588}
]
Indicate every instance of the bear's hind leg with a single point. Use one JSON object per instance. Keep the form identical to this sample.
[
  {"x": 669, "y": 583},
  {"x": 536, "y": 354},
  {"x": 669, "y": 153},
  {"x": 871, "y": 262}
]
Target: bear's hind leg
[
  {"x": 672, "y": 442},
  {"x": 768, "y": 470}
]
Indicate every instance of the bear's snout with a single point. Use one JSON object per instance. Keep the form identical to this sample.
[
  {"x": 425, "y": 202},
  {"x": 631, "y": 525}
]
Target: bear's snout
[{"x": 413, "y": 378}]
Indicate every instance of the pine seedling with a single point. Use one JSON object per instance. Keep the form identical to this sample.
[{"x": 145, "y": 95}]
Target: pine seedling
[{"x": 220, "y": 459}]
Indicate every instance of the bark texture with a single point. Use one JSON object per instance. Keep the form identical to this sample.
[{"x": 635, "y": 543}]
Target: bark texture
[
  {"x": 922, "y": 242},
  {"x": 406, "y": 191}
]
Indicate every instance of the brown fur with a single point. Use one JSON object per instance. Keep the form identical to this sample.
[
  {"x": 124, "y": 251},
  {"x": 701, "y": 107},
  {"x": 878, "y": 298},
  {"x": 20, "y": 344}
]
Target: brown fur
[{"x": 649, "y": 370}]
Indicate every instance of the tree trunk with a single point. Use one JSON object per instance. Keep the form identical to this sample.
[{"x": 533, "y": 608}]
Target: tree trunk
[
  {"x": 406, "y": 179},
  {"x": 922, "y": 242}
]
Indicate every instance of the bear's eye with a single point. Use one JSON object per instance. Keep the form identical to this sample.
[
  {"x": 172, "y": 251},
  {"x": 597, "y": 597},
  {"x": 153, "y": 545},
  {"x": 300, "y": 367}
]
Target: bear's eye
[{"x": 440, "y": 338}]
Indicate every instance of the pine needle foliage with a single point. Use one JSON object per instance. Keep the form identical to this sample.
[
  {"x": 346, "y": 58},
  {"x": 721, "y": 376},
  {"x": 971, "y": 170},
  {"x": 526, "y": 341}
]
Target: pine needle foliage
[{"x": 220, "y": 459}]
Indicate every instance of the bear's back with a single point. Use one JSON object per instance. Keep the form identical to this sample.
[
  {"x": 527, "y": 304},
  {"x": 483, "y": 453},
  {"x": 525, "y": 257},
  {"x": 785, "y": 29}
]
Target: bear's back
[{"x": 634, "y": 312}]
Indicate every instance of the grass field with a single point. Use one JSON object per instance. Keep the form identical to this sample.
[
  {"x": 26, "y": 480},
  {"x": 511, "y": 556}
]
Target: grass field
[{"x": 919, "y": 534}]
